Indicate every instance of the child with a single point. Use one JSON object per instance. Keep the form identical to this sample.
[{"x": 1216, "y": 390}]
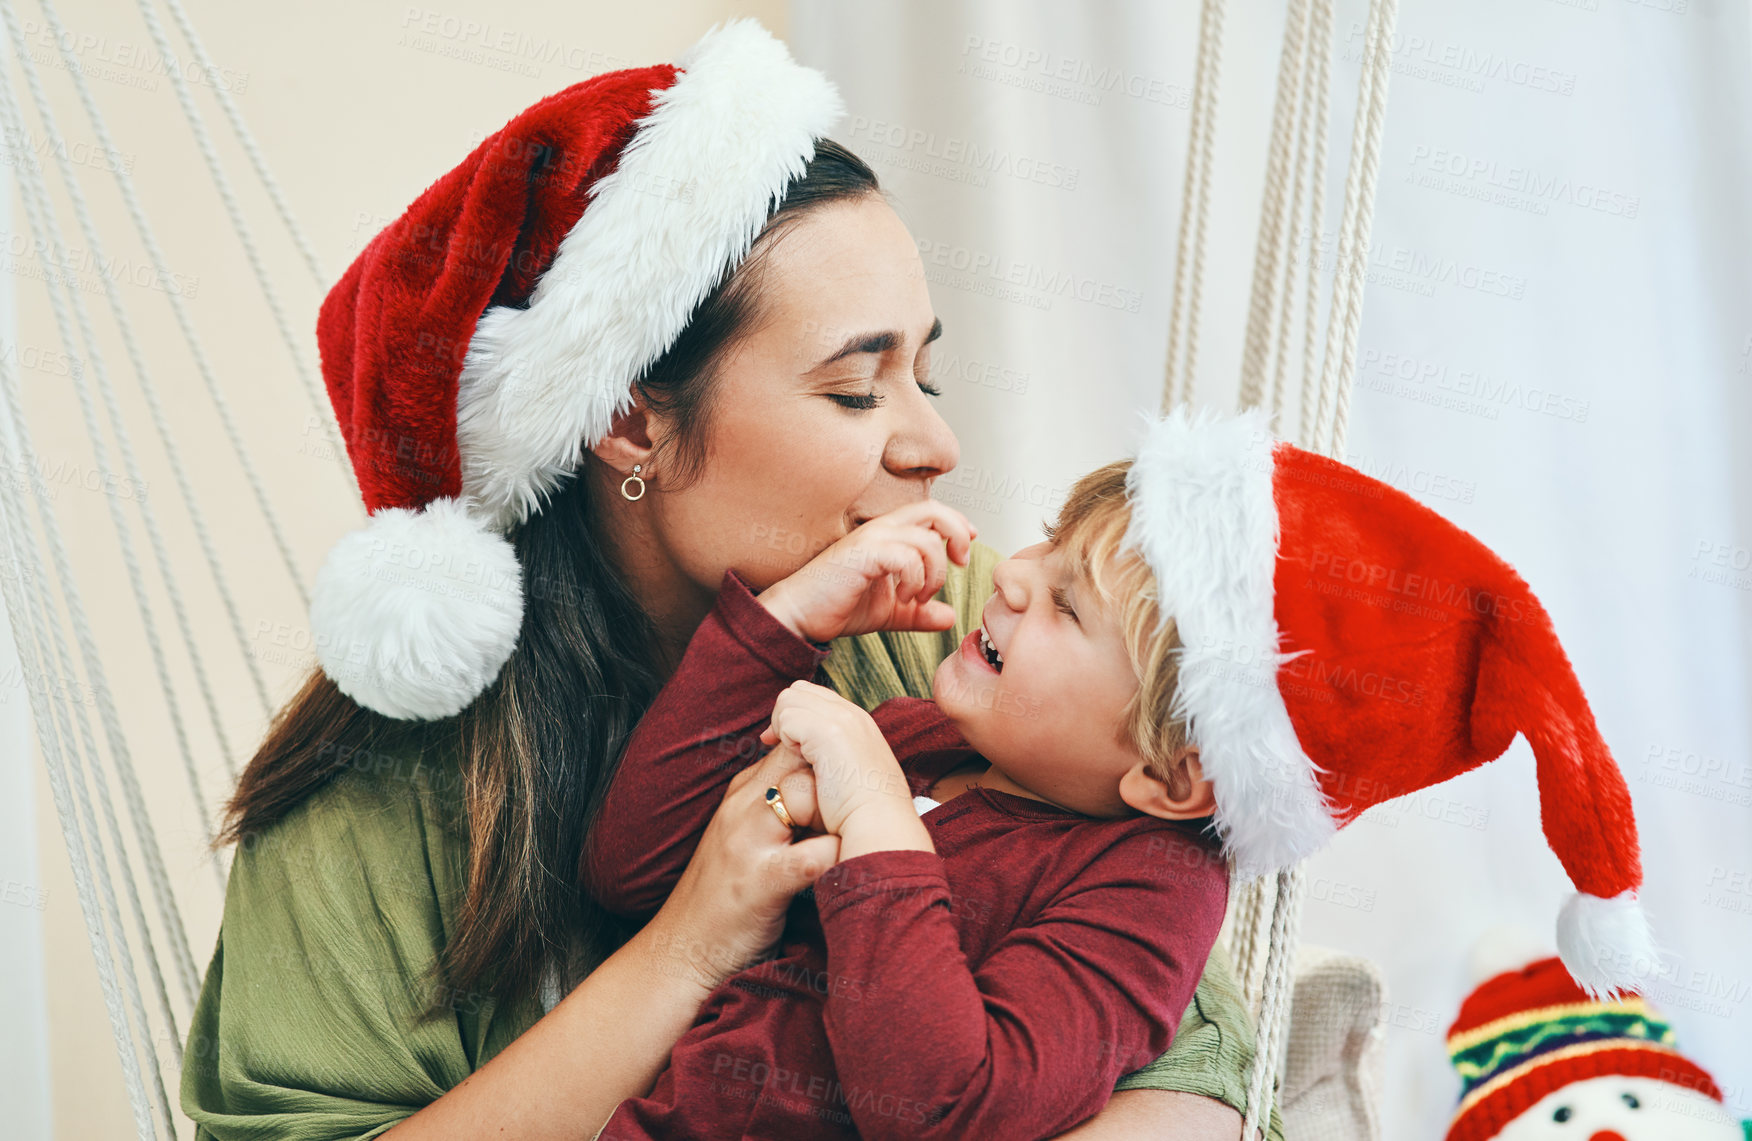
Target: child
[
  {"x": 991, "y": 969},
  {"x": 1300, "y": 642}
]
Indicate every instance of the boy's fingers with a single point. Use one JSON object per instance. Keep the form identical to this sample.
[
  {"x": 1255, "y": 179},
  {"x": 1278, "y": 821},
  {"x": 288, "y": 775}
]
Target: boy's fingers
[
  {"x": 957, "y": 530},
  {"x": 913, "y": 570},
  {"x": 936, "y": 566},
  {"x": 934, "y": 614},
  {"x": 766, "y": 770}
]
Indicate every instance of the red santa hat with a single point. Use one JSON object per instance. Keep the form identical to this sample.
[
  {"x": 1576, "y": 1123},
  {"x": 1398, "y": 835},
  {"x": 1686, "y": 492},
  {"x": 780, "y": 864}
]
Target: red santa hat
[
  {"x": 486, "y": 338},
  {"x": 1529, "y": 1032},
  {"x": 1345, "y": 645}
]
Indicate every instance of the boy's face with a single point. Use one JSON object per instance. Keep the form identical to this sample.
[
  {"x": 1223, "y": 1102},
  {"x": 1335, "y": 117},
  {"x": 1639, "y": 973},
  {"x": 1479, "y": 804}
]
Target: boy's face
[{"x": 1048, "y": 718}]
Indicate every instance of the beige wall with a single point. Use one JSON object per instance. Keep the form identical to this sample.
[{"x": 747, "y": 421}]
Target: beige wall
[{"x": 358, "y": 107}]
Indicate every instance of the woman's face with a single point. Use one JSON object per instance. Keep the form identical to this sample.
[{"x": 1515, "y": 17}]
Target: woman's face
[{"x": 821, "y": 417}]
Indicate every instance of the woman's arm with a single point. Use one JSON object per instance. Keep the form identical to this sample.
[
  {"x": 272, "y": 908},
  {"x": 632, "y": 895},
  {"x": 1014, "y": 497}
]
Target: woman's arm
[
  {"x": 610, "y": 1038},
  {"x": 605, "y": 1042}
]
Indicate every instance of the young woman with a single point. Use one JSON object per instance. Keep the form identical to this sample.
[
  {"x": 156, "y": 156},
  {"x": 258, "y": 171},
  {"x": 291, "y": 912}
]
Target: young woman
[{"x": 590, "y": 370}]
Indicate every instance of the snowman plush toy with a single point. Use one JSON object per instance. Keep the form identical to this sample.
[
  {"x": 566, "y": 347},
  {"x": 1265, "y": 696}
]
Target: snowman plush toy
[{"x": 1541, "y": 1061}]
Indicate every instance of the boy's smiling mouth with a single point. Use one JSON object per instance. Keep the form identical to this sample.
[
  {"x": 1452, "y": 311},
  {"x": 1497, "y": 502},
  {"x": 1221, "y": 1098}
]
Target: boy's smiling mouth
[{"x": 992, "y": 657}]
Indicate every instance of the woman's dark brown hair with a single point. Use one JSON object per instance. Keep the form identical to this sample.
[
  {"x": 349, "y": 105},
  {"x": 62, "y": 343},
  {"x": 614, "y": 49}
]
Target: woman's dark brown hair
[{"x": 537, "y": 749}]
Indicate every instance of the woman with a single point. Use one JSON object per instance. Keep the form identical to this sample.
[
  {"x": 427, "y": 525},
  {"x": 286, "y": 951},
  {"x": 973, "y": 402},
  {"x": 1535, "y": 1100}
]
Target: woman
[{"x": 590, "y": 369}]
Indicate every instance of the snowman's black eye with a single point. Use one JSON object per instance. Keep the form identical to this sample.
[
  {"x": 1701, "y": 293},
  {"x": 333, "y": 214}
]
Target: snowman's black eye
[
  {"x": 1561, "y": 1115},
  {"x": 1630, "y": 1100}
]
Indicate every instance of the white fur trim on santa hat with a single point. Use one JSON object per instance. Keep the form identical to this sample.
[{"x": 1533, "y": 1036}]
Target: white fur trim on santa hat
[
  {"x": 415, "y": 613},
  {"x": 1606, "y": 944},
  {"x": 1203, "y": 515},
  {"x": 691, "y": 191}
]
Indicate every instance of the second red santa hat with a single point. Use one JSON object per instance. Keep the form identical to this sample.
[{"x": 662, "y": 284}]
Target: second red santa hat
[{"x": 1345, "y": 645}]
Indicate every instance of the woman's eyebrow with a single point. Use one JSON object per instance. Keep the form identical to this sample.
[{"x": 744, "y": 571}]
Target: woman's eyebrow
[{"x": 879, "y": 342}]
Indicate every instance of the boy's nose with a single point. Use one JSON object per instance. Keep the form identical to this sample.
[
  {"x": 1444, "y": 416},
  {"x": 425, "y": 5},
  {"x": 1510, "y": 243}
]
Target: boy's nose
[{"x": 1010, "y": 582}]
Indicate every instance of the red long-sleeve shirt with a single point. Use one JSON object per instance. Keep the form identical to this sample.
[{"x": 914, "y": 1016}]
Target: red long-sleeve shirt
[{"x": 995, "y": 988}]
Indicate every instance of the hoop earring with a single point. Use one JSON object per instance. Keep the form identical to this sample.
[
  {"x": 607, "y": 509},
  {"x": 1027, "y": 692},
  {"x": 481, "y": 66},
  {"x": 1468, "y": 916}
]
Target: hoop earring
[{"x": 634, "y": 478}]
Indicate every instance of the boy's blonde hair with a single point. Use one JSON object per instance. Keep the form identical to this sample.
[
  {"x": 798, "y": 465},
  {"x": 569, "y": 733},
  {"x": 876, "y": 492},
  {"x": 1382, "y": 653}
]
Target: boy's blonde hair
[{"x": 1090, "y": 525}]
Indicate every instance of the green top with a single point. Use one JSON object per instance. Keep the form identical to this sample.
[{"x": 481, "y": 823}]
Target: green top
[{"x": 308, "y": 1023}]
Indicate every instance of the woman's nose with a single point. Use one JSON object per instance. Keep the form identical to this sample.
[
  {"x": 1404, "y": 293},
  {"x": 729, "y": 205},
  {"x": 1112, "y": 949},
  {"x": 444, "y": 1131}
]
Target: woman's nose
[{"x": 923, "y": 446}]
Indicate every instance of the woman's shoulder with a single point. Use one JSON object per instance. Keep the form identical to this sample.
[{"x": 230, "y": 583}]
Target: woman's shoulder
[
  {"x": 321, "y": 974},
  {"x": 380, "y": 842},
  {"x": 377, "y": 801}
]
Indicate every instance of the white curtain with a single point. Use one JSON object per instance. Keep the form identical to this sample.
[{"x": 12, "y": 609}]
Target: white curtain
[{"x": 1556, "y": 353}]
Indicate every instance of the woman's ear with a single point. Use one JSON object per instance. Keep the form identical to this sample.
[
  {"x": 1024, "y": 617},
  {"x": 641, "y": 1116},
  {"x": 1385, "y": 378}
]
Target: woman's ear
[
  {"x": 628, "y": 441},
  {"x": 1186, "y": 795}
]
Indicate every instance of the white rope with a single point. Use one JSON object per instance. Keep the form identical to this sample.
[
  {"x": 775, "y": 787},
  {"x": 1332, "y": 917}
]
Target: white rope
[
  {"x": 1381, "y": 64},
  {"x": 53, "y": 722},
  {"x": 1272, "y": 222},
  {"x": 254, "y": 151},
  {"x": 203, "y": 366},
  {"x": 1310, "y": 173},
  {"x": 1274, "y": 1014},
  {"x": 1178, "y": 379},
  {"x": 47, "y": 233},
  {"x": 37, "y": 207},
  {"x": 1270, "y": 917},
  {"x": 1261, "y": 895},
  {"x": 1339, "y": 371},
  {"x": 1243, "y": 904},
  {"x": 296, "y": 352},
  {"x": 173, "y": 448},
  {"x": 1311, "y": 74},
  {"x": 1344, "y": 267}
]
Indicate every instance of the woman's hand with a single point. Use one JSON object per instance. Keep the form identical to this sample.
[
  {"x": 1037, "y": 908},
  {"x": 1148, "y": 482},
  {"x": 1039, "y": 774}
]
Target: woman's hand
[
  {"x": 728, "y": 909},
  {"x": 882, "y": 576},
  {"x": 860, "y": 792},
  {"x": 611, "y": 1037}
]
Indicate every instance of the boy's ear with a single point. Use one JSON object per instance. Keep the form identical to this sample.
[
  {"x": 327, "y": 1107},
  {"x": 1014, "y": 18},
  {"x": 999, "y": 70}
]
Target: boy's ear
[{"x": 1186, "y": 795}]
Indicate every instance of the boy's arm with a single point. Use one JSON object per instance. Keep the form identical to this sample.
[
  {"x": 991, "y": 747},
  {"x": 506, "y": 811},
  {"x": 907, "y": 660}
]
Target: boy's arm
[
  {"x": 703, "y": 728},
  {"x": 1032, "y": 1042}
]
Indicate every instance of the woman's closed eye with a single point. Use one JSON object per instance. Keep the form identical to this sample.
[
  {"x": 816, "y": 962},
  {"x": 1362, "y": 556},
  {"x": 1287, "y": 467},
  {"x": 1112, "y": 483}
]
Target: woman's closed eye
[{"x": 868, "y": 400}]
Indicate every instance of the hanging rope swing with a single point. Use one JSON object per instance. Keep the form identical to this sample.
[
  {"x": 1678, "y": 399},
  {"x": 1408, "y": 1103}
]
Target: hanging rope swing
[
  {"x": 137, "y": 935},
  {"x": 1267, "y": 910},
  {"x": 102, "y": 856}
]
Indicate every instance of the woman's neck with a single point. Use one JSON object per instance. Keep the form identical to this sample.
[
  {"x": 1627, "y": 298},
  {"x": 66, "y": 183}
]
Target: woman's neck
[{"x": 675, "y": 603}]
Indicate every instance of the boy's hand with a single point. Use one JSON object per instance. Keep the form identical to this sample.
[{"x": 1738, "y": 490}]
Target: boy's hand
[
  {"x": 856, "y": 774},
  {"x": 880, "y": 577}
]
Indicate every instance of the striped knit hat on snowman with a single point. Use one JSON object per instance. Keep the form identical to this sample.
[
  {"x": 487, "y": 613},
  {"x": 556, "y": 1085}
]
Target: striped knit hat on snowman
[
  {"x": 1345, "y": 645},
  {"x": 490, "y": 335}
]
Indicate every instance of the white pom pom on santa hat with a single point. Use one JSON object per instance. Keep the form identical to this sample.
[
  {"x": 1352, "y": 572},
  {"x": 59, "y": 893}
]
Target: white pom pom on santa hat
[
  {"x": 415, "y": 614},
  {"x": 1606, "y": 944}
]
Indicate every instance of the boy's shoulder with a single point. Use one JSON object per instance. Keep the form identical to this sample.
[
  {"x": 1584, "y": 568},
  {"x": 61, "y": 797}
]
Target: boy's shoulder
[{"x": 1185, "y": 853}]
